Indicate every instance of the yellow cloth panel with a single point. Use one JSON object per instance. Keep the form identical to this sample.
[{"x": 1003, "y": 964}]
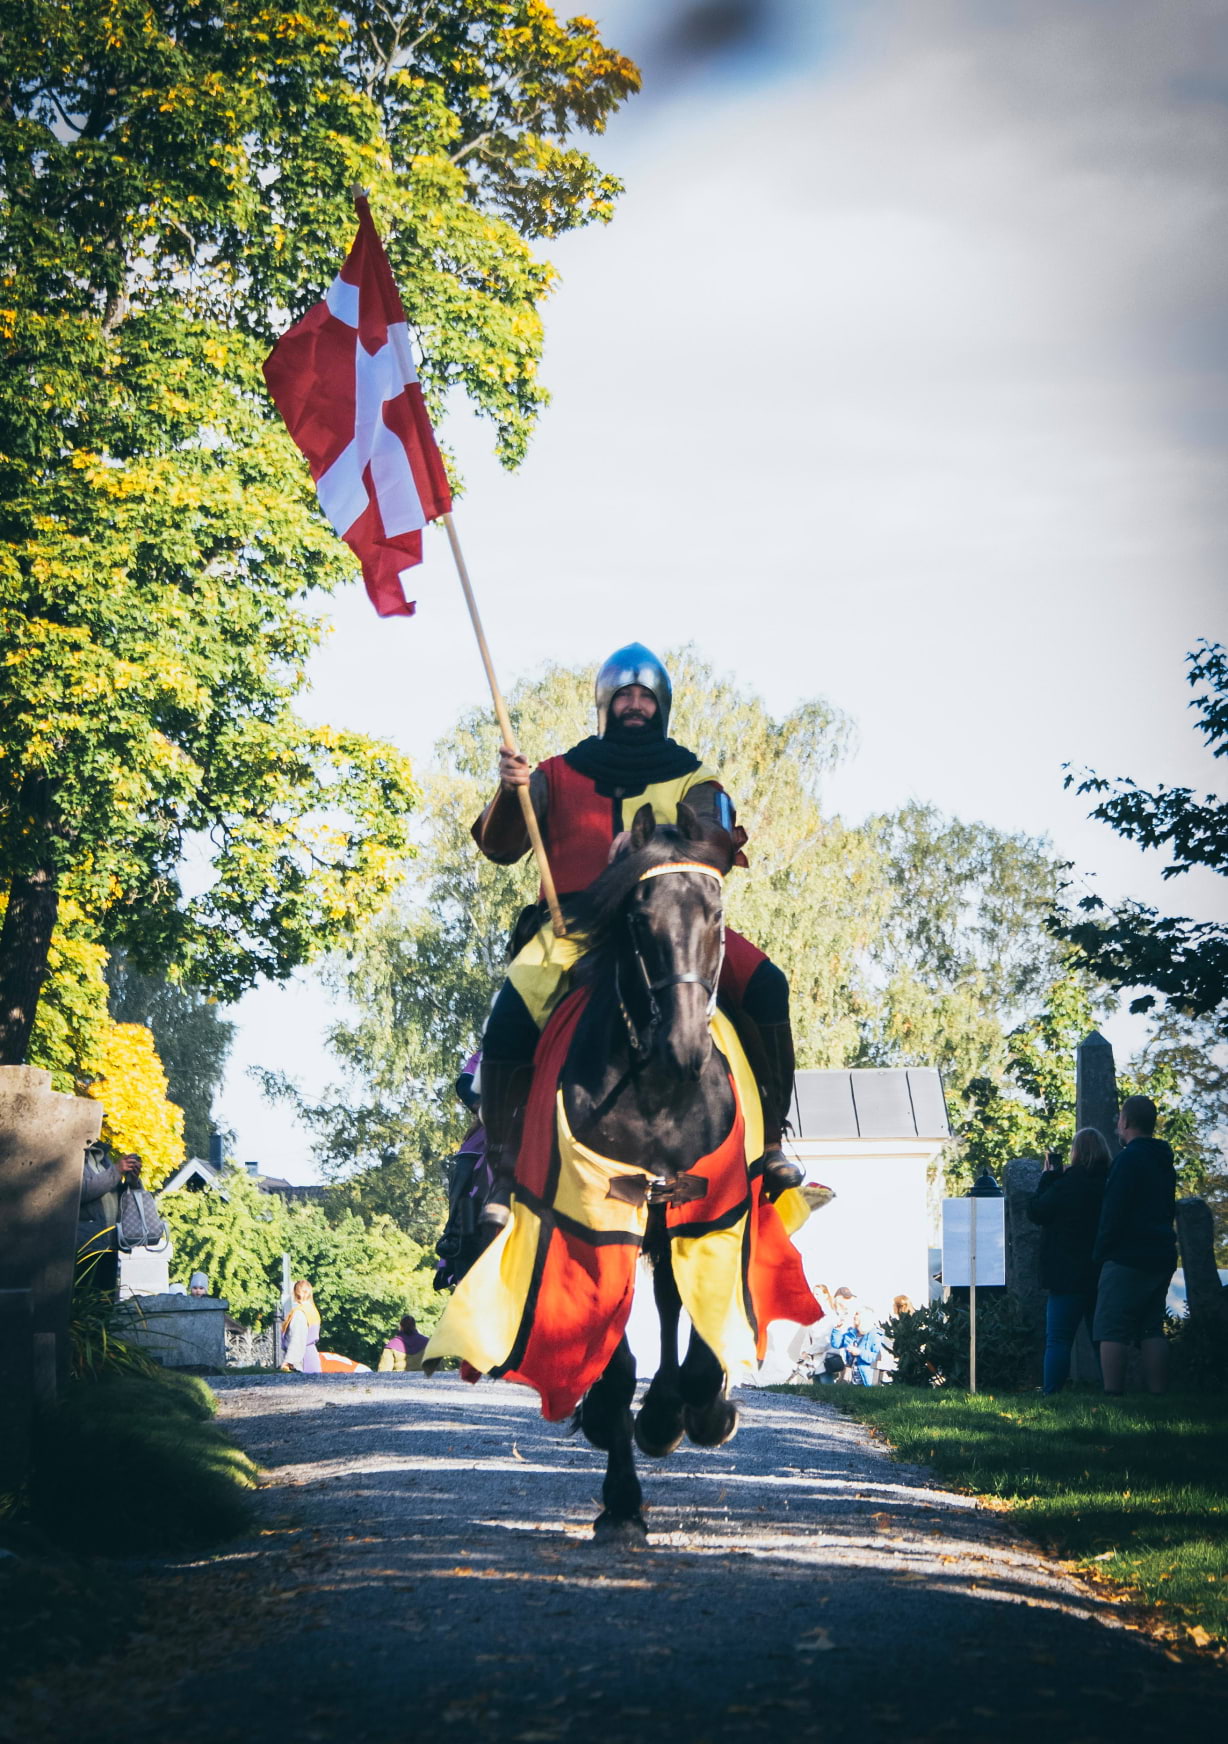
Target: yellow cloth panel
[
  {"x": 793, "y": 1209},
  {"x": 541, "y": 973},
  {"x": 481, "y": 1321},
  {"x": 663, "y": 796},
  {"x": 584, "y": 1181},
  {"x": 708, "y": 1272},
  {"x": 726, "y": 1038}
]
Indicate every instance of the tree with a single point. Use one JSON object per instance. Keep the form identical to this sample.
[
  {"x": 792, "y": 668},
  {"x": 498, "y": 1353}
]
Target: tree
[
  {"x": 962, "y": 954},
  {"x": 1034, "y": 1110},
  {"x": 832, "y": 904},
  {"x": 1132, "y": 944},
  {"x": 139, "y": 1117},
  {"x": 192, "y": 1038},
  {"x": 175, "y": 189},
  {"x": 365, "y": 1273}
]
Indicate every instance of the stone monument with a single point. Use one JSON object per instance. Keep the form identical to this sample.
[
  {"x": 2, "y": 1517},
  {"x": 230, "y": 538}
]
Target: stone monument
[{"x": 43, "y": 1136}]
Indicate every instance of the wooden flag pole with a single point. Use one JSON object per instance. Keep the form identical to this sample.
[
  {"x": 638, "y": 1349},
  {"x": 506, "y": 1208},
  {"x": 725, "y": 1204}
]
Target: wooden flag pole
[{"x": 505, "y": 727}]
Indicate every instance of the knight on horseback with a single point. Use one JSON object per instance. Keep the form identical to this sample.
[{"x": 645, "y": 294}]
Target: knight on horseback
[{"x": 585, "y": 801}]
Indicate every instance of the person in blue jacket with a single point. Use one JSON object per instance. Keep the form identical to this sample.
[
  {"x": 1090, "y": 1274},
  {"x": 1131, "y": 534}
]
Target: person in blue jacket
[{"x": 861, "y": 1346}]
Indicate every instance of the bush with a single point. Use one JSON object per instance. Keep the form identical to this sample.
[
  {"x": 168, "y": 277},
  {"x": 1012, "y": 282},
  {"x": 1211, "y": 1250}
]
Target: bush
[
  {"x": 931, "y": 1345},
  {"x": 134, "y": 1466},
  {"x": 1198, "y": 1352}
]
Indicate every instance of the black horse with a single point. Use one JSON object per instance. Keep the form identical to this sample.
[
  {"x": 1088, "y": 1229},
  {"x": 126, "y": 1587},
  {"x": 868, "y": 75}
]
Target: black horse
[{"x": 644, "y": 1085}]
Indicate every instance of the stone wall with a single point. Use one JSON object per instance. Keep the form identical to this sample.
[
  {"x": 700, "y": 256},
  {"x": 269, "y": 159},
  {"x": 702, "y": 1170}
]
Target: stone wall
[{"x": 180, "y": 1332}]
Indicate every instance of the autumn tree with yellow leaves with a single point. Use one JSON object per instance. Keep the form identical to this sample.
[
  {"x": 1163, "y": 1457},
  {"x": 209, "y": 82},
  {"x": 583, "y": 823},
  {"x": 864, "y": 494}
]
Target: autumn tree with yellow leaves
[{"x": 175, "y": 189}]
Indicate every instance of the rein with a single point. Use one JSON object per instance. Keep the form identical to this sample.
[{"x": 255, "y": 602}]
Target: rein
[{"x": 651, "y": 987}]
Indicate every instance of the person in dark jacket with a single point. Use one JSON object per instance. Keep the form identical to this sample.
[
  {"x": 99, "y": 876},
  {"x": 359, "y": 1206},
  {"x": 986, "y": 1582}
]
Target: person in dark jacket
[
  {"x": 1067, "y": 1206},
  {"x": 1136, "y": 1250},
  {"x": 97, "y": 1235}
]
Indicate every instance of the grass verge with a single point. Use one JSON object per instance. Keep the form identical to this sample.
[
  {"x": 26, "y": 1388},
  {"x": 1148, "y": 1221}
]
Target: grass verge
[{"x": 1133, "y": 1490}]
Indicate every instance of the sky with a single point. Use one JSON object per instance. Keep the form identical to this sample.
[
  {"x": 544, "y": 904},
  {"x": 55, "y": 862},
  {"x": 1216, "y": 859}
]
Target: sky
[{"x": 899, "y": 378}]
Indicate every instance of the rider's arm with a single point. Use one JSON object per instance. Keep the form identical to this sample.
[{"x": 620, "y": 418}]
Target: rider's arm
[{"x": 500, "y": 831}]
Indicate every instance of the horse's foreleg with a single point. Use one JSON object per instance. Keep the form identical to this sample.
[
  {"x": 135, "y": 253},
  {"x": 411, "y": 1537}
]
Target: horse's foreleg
[
  {"x": 658, "y": 1423},
  {"x": 605, "y": 1417},
  {"x": 709, "y": 1417}
]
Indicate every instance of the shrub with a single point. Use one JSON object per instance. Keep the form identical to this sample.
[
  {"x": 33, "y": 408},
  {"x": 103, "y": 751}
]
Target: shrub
[
  {"x": 134, "y": 1465},
  {"x": 1198, "y": 1352},
  {"x": 931, "y": 1345}
]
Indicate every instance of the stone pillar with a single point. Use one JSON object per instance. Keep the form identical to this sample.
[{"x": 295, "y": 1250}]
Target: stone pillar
[
  {"x": 1021, "y": 1180},
  {"x": 1096, "y": 1088},
  {"x": 43, "y": 1136},
  {"x": 1196, "y": 1235}
]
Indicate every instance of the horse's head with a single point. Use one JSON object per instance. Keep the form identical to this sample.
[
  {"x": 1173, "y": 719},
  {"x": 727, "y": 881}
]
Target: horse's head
[{"x": 670, "y": 943}]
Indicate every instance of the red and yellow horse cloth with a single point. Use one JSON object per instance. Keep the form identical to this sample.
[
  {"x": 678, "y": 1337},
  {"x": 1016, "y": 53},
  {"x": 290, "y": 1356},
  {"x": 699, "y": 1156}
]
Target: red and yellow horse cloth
[{"x": 548, "y": 1302}]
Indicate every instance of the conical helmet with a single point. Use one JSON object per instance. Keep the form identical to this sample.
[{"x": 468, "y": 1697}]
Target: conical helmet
[{"x": 633, "y": 664}]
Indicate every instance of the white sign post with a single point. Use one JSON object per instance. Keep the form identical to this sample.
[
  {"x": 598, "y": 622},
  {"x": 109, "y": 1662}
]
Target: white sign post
[{"x": 973, "y": 1252}]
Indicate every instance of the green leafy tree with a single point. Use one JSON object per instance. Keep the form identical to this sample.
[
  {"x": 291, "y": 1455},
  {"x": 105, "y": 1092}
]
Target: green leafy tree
[
  {"x": 193, "y": 1041},
  {"x": 1133, "y": 945},
  {"x": 1032, "y": 1108},
  {"x": 963, "y": 953},
  {"x": 175, "y": 189},
  {"x": 365, "y": 1273},
  {"x": 236, "y": 1236}
]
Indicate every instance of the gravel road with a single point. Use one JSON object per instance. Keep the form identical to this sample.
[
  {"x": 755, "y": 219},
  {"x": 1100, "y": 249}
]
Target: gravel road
[{"x": 425, "y": 1571}]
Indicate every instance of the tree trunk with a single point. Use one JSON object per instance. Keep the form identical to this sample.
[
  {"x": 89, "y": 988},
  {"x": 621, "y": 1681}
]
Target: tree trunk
[{"x": 29, "y": 922}]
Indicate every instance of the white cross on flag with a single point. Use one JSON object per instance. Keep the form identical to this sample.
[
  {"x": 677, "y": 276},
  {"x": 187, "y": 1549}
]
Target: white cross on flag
[{"x": 343, "y": 378}]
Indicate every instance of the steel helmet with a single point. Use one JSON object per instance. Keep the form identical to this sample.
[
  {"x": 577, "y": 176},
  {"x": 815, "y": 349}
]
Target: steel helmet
[{"x": 633, "y": 664}]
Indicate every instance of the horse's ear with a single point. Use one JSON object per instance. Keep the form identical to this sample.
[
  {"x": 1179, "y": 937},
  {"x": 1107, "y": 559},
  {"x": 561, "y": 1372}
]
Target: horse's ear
[
  {"x": 643, "y": 828},
  {"x": 689, "y": 826}
]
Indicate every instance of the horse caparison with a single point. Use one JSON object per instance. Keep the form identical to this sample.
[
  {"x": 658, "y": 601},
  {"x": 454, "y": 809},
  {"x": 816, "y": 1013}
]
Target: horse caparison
[{"x": 644, "y": 1085}]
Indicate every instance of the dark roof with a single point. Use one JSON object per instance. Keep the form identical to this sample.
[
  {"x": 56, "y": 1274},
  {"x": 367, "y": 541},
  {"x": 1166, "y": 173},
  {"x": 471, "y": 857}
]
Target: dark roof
[{"x": 893, "y": 1102}]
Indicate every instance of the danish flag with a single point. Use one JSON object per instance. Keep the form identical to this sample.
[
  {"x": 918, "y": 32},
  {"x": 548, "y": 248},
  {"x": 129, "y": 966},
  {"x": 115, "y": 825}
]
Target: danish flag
[{"x": 344, "y": 381}]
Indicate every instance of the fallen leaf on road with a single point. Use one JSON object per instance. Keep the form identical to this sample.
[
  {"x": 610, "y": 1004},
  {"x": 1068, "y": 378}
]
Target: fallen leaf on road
[{"x": 817, "y": 1641}]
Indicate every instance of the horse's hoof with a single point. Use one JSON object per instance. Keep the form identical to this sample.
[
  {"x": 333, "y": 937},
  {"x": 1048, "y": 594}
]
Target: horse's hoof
[
  {"x": 713, "y": 1425},
  {"x": 659, "y": 1433},
  {"x": 625, "y": 1532}
]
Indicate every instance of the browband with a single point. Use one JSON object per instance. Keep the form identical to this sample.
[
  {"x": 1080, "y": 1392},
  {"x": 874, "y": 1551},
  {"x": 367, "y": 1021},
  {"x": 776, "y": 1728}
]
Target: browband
[{"x": 682, "y": 866}]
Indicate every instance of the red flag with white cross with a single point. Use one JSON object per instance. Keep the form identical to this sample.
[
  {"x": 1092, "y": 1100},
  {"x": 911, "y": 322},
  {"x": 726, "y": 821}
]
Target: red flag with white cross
[{"x": 344, "y": 381}]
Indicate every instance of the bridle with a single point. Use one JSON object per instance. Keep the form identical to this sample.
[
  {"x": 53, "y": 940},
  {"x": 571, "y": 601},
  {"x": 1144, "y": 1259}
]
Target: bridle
[{"x": 651, "y": 987}]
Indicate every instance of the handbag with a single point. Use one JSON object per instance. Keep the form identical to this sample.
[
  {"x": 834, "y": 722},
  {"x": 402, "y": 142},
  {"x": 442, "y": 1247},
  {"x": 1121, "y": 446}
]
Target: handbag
[{"x": 139, "y": 1223}]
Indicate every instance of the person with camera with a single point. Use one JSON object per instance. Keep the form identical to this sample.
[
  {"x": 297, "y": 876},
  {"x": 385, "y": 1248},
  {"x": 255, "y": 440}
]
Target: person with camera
[
  {"x": 98, "y": 1217},
  {"x": 1067, "y": 1206}
]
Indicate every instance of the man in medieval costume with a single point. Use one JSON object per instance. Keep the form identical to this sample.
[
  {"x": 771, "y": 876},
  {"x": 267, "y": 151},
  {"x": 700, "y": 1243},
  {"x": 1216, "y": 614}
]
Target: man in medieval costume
[{"x": 585, "y": 800}]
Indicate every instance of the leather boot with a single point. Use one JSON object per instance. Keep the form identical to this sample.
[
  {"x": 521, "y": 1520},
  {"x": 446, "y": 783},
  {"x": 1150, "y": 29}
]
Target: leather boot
[
  {"x": 505, "y": 1091},
  {"x": 779, "y": 1060}
]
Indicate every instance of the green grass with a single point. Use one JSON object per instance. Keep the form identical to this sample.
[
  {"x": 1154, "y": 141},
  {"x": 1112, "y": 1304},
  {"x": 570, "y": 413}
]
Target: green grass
[{"x": 1136, "y": 1489}]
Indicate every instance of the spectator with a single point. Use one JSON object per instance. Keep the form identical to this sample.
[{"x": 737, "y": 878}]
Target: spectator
[
  {"x": 300, "y": 1332},
  {"x": 901, "y": 1305},
  {"x": 98, "y": 1218},
  {"x": 860, "y": 1345},
  {"x": 1136, "y": 1250},
  {"x": 199, "y": 1285},
  {"x": 404, "y": 1349},
  {"x": 1067, "y": 1206}
]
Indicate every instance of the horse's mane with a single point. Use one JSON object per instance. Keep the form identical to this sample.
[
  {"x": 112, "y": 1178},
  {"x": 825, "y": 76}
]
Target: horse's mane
[{"x": 593, "y": 915}]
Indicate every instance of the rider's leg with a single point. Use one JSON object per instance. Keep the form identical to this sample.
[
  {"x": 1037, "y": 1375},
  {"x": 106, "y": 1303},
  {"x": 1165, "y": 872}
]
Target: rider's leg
[
  {"x": 508, "y": 1046},
  {"x": 765, "y": 1000},
  {"x": 537, "y": 979}
]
